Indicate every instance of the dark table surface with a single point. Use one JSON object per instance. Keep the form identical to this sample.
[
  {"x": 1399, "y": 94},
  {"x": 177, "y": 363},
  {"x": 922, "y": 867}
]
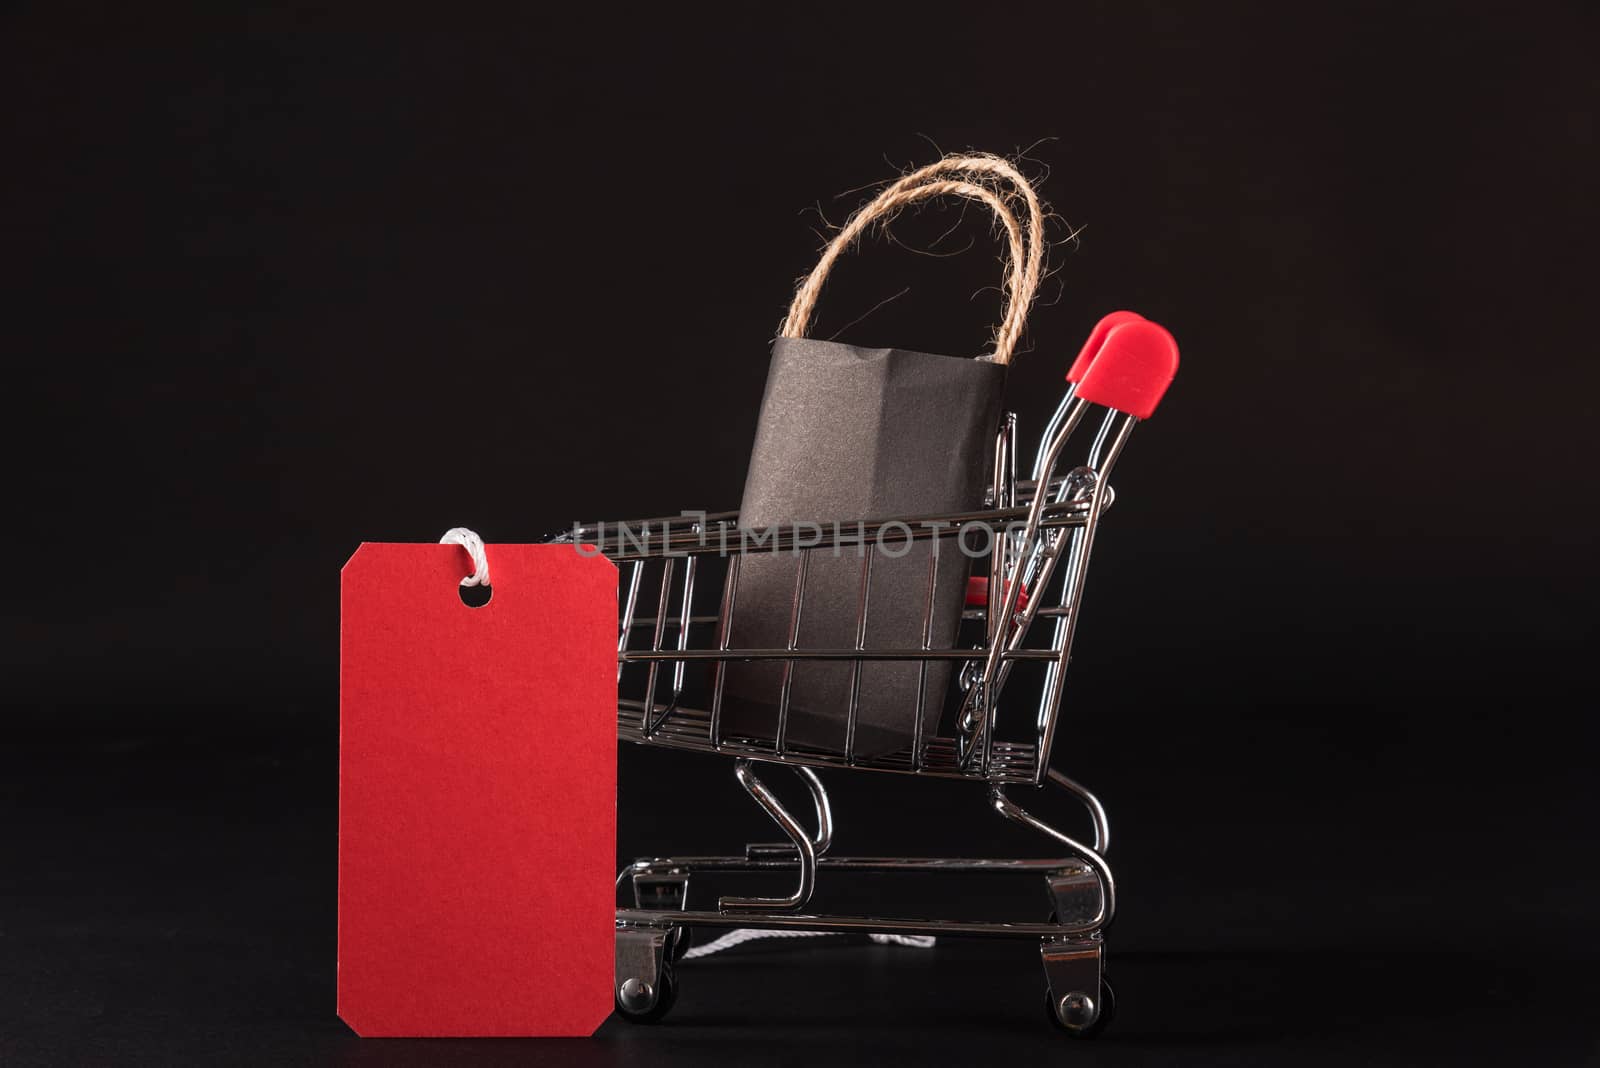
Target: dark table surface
[
  {"x": 168, "y": 899},
  {"x": 210, "y": 990}
]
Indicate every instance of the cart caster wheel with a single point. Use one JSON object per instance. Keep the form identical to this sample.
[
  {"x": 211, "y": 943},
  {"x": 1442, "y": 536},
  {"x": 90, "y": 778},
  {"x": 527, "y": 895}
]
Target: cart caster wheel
[
  {"x": 682, "y": 939},
  {"x": 1068, "y": 1013},
  {"x": 635, "y": 992}
]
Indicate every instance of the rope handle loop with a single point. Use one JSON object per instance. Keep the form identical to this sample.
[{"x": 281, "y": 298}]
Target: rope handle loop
[{"x": 989, "y": 180}]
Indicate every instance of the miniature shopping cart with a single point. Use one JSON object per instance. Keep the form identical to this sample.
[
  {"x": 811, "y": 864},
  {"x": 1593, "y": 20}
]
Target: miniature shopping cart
[{"x": 1022, "y": 608}]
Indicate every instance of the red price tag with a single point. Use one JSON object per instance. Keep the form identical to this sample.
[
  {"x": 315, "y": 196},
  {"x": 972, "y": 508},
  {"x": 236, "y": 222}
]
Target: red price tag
[{"x": 477, "y": 792}]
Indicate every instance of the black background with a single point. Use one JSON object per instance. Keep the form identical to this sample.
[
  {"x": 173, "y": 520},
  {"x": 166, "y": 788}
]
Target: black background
[{"x": 279, "y": 284}]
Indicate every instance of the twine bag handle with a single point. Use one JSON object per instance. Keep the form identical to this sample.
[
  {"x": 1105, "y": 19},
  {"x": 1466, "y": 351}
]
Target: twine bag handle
[{"x": 981, "y": 178}]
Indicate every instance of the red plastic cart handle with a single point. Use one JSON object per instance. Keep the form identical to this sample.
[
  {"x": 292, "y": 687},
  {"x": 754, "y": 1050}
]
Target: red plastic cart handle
[
  {"x": 978, "y": 593},
  {"x": 1130, "y": 368},
  {"x": 1097, "y": 338}
]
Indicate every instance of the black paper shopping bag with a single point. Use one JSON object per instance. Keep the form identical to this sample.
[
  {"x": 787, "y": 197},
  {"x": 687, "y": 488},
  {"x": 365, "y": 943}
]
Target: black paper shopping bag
[{"x": 848, "y": 434}]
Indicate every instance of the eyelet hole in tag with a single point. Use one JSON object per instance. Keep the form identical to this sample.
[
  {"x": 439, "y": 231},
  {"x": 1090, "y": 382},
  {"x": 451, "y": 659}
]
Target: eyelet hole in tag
[{"x": 476, "y": 596}]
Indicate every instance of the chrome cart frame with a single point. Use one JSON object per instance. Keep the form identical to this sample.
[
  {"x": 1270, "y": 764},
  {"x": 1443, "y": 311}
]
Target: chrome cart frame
[{"x": 1041, "y": 532}]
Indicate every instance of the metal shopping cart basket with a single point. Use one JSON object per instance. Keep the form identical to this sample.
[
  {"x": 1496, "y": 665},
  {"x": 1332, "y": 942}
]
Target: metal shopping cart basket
[{"x": 674, "y": 651}]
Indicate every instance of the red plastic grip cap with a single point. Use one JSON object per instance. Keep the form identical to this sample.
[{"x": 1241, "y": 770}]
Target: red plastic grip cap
[
  {"x": 978, "y": 593},
  {"x": 1097, "y": 338},
  {"x": 1132, "y": 370}
]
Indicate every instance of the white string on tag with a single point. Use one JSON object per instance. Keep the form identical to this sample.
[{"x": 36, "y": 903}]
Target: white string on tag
[{"x": 470, "y": 541}]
